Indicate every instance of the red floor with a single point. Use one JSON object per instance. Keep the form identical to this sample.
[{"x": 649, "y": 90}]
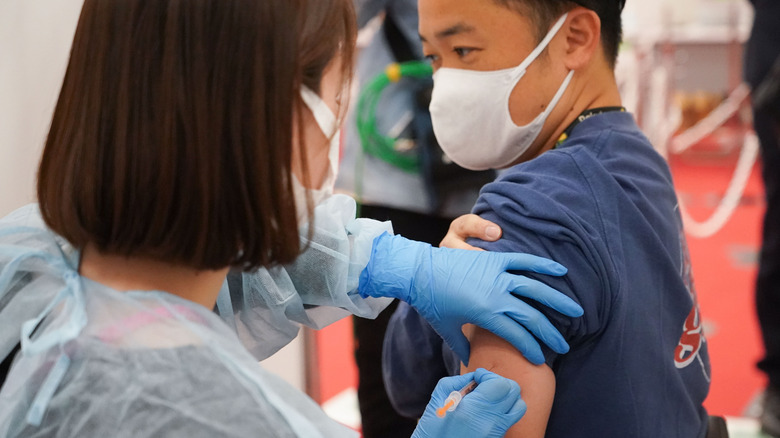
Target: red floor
[
  {"x": 724, "y": 268},
  {"x": 336, "y": 362}
]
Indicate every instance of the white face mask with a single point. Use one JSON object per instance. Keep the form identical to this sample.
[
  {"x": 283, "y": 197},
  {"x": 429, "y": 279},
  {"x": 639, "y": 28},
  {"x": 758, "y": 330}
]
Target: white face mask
[
  {"x": 470, "y": 113},
  {"x": 328, "y": 124}
]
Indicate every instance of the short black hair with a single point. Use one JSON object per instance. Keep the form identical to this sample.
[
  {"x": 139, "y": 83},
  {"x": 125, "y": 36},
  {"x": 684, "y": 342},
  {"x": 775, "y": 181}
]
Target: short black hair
[{"x": 543, "y": 13}]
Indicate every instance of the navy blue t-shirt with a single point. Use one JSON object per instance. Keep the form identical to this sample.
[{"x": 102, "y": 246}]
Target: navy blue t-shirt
[{"x": 603, "y": 205}]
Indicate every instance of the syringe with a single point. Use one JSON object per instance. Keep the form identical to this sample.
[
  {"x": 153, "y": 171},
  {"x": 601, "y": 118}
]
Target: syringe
[{"x": 453, "y": 400}]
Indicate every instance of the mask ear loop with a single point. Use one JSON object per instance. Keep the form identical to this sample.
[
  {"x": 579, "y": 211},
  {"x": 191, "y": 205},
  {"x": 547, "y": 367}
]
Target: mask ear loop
[
  {"x": 558, "y": 95},
  {"x": 520, "y": 71},
  {"x": 328, "y": 123},
  {"x": 531, "y": 58},
  {"x": 322, "y": 113}
]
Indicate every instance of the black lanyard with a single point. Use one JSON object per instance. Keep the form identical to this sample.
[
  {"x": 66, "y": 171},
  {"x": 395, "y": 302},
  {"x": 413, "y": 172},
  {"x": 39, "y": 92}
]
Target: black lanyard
[{"x": 585, "y": 116}]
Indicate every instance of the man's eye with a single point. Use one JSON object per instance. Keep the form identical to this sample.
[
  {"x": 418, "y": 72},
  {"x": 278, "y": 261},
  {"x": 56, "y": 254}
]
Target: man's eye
[
  {"x": 431, "y": 58},
  {"x": 462, "y": 51}
]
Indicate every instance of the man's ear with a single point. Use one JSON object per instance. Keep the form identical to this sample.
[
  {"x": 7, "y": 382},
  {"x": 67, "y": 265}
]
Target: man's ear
[{"x": 583, "y": 37}]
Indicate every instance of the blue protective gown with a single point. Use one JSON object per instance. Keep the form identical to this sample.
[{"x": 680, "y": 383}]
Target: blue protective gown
[{"x": 97, "y": 362}]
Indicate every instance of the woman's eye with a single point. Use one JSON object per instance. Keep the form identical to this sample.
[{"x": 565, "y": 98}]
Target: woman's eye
[{"x": 431, "y": 58}]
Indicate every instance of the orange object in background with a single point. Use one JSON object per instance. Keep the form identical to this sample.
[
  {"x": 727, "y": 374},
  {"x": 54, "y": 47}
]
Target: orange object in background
[{"x": 695, "y": 106}]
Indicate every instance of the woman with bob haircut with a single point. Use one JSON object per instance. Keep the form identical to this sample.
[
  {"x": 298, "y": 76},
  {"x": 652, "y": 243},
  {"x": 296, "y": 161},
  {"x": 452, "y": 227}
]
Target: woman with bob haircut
[{"x": 186, "y": 226}]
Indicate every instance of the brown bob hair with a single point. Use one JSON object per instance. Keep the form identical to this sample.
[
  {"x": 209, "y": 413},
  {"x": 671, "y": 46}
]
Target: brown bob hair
[{"x": 173, "y": 132}]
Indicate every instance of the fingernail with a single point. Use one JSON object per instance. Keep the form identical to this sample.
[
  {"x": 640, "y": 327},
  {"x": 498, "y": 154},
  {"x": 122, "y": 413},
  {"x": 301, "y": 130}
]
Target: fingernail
[{"x": 493, "y": 232}]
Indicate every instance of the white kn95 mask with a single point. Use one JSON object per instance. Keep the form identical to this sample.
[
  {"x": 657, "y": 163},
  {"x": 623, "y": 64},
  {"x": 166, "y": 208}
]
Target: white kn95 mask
[{"x": 470, "y": 113}]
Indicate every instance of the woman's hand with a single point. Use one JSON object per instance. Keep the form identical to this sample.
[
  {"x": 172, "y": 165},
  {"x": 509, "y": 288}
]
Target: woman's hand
[
  {"x": 454, "y": 287},
  {"x": 489, "y": 411}
]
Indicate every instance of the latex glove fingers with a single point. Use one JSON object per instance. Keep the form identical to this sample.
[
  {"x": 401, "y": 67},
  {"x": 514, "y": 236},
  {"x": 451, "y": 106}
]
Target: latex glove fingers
[
  {"x": 450, "y": 288},
  {"x": 517, "y": 335},
  {"x": 517, "y": 323},
  {"x": 491, "y": 409},
  {"x": 532, "y": 263},
  {"x": 457, "y": 341},
  {"x": 518, "y": 408},
  {"x": 467, "y": 226},
  {"x": 534, "y": 320},
  {"x": 493, "y": 390},
  {"x": 538, "y": 324},
  {"x": 488, "y": 412},
  {"x": 448, "y": 384},
  {"x": 431, "y": 425},
  {"x": 544, "y": 294}
]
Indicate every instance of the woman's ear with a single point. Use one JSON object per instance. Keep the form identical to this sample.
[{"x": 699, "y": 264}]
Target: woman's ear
[{"x": 583, "y": 37}]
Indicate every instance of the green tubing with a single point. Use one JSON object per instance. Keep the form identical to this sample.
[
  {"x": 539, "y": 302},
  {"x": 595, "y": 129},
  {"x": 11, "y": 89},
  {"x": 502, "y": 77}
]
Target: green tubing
[{"x": 375, "y": 143}]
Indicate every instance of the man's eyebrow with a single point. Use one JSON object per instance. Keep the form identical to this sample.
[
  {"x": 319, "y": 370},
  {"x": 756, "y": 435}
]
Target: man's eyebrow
[{"x": 451, "y": 31}]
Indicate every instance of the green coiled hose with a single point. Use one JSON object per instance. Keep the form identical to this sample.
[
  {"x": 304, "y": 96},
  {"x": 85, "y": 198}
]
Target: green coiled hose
[{"x": 375, "y": 143}]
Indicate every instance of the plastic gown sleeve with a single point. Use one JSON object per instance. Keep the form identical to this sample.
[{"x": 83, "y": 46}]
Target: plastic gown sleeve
[
  {"x": 266, "y": 307},
  {"x": 25, "y": 229}
]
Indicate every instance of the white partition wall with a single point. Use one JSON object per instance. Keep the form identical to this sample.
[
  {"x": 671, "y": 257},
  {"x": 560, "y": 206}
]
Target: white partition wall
[{"x": 35, "y": 38}]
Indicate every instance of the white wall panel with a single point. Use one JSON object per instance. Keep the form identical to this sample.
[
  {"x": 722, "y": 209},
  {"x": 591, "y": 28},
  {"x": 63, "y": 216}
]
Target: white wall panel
[{"x": 35, "y": 38}]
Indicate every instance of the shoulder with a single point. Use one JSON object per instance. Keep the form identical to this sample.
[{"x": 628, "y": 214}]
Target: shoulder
[
  {"x": 549, "y": 191},
  {"x": 579, "y": 183},
  {"x": 29, "y": 215},
  {"x": 552, "y": 207},
  {"x": 24, "y": 232}
]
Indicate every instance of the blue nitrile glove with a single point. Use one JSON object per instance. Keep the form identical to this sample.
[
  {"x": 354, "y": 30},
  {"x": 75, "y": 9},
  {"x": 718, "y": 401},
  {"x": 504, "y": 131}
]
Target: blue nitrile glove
[
  {"x": 489, "y": 411},
  {"x": 453, "y": 287}
]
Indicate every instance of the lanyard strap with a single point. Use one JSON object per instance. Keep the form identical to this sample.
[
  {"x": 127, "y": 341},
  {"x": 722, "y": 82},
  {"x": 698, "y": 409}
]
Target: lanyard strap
[{"x": 585, "y": 115}]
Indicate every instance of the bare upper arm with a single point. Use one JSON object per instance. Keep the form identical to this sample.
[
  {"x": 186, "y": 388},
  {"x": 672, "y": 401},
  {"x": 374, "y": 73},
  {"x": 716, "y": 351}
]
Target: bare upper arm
[{"x": 537, "y": 382}]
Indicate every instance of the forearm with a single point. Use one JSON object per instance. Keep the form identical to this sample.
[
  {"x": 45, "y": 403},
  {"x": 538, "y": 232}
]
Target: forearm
[{"x": 537, "y": 382}]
